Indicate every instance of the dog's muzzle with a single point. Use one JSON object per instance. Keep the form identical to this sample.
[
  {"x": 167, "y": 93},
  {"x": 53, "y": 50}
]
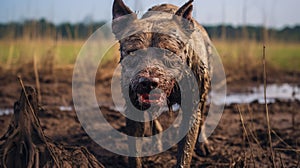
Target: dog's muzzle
[{"x": 145, "y": 92}]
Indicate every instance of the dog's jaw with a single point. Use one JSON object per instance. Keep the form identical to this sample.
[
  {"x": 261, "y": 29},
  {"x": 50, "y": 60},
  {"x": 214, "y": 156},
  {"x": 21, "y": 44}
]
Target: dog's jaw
[{"x": 157, "y": 97}]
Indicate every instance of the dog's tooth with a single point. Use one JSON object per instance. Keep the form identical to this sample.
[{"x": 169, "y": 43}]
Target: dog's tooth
[
  {"x": 155, "y": 80},
  {"x": 175, "y": 107}
]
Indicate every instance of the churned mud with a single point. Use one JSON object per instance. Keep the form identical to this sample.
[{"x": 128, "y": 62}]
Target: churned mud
[{"x": 239, "y": 140}]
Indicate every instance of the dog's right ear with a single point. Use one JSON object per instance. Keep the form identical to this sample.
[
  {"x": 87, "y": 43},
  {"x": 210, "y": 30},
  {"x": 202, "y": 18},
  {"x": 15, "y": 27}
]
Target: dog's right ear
[
  {"x": 122, "y": 17},
  {"x": 183, "y": 16}
]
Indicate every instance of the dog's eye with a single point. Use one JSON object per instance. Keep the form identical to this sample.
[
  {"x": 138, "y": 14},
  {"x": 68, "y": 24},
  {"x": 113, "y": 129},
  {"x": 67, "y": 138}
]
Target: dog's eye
[
  {"x": 169, "y": 53},
  {"x": 131, "y": 52}
]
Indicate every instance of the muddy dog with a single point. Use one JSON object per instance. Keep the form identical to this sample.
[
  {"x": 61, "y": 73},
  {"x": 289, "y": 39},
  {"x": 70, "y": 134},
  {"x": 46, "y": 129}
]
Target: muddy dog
[{"x": 154, "y": 51}]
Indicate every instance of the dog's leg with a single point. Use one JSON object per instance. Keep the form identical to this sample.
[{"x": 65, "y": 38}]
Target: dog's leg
[
  {"x": 203, "y": 148},
  {"x": 157, "y": 129},
  {"x": 134, "y": 129},
  {"x": 187, "y": 144}
]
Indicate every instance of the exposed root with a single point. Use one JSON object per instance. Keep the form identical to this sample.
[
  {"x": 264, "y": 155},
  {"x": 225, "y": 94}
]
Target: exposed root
[{"x": 25, "y": 145}]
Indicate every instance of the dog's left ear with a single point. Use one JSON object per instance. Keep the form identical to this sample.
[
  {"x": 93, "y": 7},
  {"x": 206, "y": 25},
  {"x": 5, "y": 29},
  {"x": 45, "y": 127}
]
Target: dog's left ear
[
  {"x": 184, "y": 16},
  {"x": 120, "y": 20},
  {"x": 120, "y": 9}
]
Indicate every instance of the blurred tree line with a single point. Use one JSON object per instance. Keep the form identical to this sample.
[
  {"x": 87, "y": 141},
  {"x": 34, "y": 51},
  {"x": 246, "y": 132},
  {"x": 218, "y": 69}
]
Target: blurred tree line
[
  {"x": 44, "y": 29},
  {"x": 258, "y": 33}
]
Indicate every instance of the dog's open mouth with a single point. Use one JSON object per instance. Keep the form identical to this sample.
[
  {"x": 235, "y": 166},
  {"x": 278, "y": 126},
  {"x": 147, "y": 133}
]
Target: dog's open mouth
[{"x": 158, "y": 97}]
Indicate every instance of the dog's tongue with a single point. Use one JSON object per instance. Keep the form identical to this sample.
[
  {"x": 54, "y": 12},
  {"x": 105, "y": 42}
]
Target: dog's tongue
[
  {"x": 150, "y": 98},
  {"x": 175, "y": 107}
]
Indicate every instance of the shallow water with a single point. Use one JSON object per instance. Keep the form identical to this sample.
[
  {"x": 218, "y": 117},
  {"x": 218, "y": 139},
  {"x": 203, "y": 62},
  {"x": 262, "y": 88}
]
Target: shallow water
[
  {"x": 283, "y": 92},
  {"x": 8, "y": 111}
]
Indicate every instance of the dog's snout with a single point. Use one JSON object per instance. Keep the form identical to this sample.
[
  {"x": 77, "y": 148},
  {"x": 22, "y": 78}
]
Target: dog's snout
[{"x": 147, "y": 84}]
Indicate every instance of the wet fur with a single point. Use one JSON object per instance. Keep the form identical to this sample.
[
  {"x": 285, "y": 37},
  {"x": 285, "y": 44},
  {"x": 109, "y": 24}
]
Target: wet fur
[{"x": 134, "y": 67}]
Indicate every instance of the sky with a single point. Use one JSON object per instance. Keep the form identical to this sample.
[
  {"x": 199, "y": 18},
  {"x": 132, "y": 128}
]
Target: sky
[{"x": 271, "y": 13}]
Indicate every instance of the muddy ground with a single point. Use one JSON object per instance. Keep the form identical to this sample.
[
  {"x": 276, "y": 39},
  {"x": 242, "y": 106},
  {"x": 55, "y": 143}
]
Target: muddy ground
[{"x": 235, "y": 144}]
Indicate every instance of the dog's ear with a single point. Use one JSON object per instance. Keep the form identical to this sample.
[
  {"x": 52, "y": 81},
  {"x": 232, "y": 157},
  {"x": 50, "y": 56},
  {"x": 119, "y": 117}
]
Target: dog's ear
[
  {"x": 122, "y": 17},
  {"x": 184, "y": 16},
  {"x": 186, "y": 10},
  {"x": 120, "y": 9}
]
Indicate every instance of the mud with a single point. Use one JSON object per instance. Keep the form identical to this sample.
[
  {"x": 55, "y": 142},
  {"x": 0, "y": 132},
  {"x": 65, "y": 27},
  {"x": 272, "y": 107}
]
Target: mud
[{"x": 235, "y": 144}]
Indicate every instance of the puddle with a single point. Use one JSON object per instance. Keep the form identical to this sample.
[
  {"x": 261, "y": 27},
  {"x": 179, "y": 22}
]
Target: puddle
[
  {"x": 284, "y": 92},
  {"x": 8, "y": 111},
  {"x": 65, "y": 108}
]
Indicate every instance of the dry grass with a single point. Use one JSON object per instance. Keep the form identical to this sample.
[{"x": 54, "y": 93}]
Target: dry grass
[
  {"x": 244, "y": 55},
  {"x": 14, "y": 53},
  {"x": 45, "y": 54},
  {"x": 261, "y": 149},
  {"x": 266, "y": 108}
]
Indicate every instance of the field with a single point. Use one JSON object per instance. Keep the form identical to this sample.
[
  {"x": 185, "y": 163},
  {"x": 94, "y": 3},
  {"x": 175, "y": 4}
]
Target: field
[
  {"x": 240, "y": 140},
  {"x": 280, "y": 55}
]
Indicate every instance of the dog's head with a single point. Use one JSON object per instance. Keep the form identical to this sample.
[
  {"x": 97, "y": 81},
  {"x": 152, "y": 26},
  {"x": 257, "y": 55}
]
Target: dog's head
[{"x": 153, "y": 52}]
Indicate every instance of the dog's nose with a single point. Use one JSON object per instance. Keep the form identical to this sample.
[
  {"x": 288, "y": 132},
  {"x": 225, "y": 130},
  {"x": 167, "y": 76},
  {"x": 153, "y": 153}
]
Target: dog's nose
[{"x": 147, "y": 84}]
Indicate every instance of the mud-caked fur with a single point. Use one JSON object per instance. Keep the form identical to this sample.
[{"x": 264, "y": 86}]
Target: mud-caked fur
[{"x": 154, "y": 53}]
